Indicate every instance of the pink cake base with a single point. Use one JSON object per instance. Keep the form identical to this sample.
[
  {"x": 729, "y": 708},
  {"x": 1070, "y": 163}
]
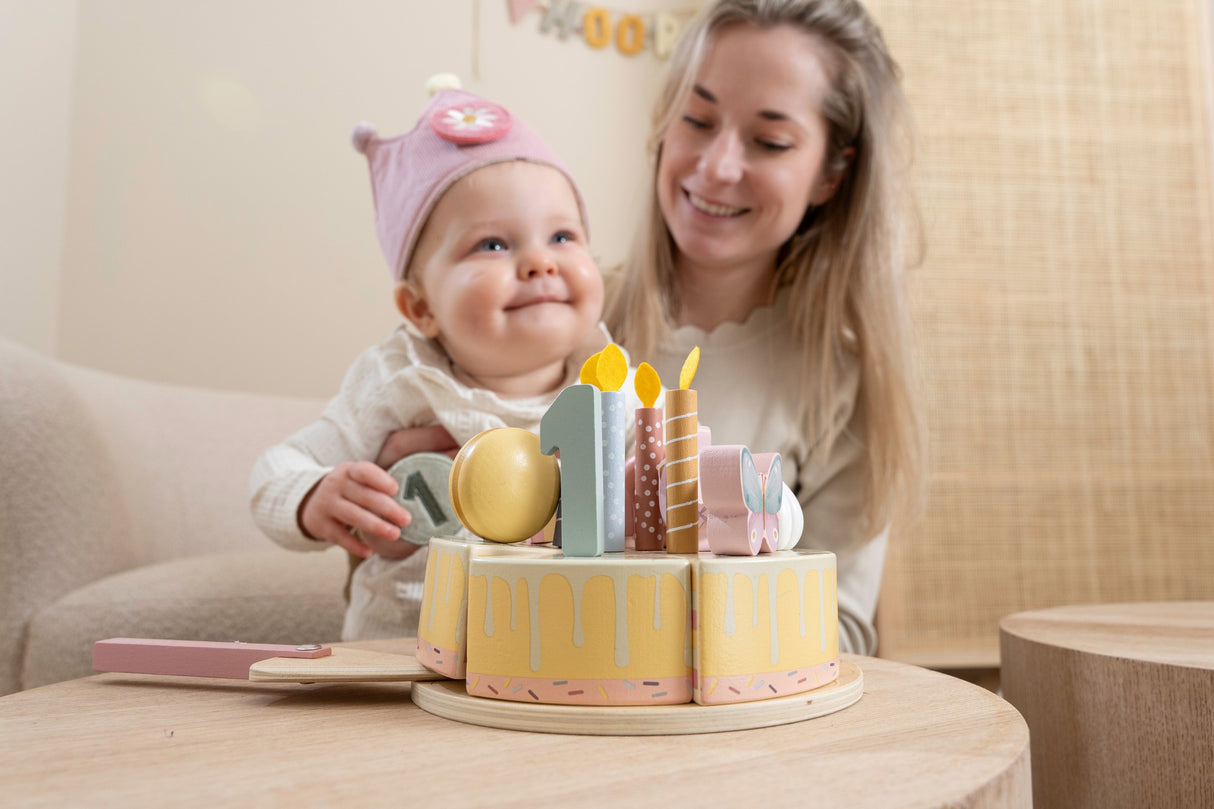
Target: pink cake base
[
  {"x": 767, "y": 685},
  {"x": 658, "y": 691},
  {"x": 443, "y": 661}
]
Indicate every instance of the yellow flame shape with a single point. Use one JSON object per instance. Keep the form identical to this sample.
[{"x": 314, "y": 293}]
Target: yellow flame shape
[
  {"x": 612, "y": 368},
  {"x": 648, "y": 384},
  {"x": 689, "y": 368},
  {"x": 589, "y": 375}
]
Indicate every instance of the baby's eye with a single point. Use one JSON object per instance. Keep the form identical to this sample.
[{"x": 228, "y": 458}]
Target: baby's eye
[
  {"x": 492, "y": 244},
  {"x": 563, "y": 237}
]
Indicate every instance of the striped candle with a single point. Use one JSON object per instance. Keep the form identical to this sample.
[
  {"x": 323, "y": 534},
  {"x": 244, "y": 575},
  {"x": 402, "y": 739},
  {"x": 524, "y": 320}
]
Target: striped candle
[
  {"x": 649, "y": 526},
  {"x": 682, "y": 472}
]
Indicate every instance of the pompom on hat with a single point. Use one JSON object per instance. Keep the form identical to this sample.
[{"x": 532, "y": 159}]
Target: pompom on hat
[{"x": 457, "y": 134}]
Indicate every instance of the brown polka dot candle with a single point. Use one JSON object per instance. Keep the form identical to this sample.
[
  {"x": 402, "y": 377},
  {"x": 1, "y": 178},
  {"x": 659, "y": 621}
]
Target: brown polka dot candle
[{"x": 649, "y": 523}]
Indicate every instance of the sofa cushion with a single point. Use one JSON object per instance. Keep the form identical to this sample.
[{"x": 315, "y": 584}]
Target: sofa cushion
[{"x": 295, "y": 598}]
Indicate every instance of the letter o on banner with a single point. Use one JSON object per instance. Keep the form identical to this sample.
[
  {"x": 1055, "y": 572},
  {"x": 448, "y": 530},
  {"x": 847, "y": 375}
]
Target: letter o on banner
[
  {"x": 630, "y": 35},
  {"x": 597, "y": 27}
]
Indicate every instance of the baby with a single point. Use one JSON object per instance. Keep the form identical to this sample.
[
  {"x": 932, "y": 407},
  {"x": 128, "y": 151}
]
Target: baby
[{"x": 485, "y": 233}]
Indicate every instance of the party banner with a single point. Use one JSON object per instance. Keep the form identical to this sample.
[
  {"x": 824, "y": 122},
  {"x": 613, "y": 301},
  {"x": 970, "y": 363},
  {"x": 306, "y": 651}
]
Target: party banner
[{"x": 629, "y": 32}]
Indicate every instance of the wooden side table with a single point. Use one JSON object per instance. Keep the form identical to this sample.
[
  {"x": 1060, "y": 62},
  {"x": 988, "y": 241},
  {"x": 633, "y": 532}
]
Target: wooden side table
[
  {"x": 1119, "y": 699},
  {"x": 916, "y": 738}
]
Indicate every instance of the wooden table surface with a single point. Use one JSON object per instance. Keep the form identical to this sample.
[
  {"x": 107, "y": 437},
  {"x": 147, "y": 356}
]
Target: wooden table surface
[
  {"x": 917, "y": 738},
  {"x": 1119, "y": 699}
]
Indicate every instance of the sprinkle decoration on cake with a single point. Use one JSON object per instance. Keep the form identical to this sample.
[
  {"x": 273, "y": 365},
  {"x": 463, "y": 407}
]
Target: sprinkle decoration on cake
[{"x": 667, "y": 577}]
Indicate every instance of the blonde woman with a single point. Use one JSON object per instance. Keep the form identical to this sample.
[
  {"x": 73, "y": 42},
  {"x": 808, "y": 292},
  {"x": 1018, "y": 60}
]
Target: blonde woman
[{"x": 774, "y": 241}]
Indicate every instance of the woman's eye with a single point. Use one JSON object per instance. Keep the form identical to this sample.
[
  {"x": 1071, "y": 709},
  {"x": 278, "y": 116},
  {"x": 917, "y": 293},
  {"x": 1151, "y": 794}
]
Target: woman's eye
[
  {"x": 772, "y": 146},
  {"x": 490, "y": 245},
  {"x": 695, "y": 123}
]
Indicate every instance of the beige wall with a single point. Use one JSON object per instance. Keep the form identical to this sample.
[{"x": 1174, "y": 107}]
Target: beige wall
[
  {"x": 37, "y": 58},
  {"x": 207, "y": 222}
]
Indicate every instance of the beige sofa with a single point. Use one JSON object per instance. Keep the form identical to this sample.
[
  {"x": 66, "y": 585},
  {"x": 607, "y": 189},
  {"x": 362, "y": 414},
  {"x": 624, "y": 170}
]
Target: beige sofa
[{"x": 123, "y": 513}]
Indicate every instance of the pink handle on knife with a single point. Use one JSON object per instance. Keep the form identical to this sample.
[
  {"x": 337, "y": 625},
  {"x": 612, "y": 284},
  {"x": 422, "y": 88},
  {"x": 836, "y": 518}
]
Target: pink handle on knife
[{"x": 192, "y": 658}]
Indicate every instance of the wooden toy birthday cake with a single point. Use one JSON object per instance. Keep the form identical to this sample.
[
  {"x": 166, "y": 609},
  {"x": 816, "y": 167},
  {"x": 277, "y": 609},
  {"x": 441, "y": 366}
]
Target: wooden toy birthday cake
[{"x": 711, "y": 604}]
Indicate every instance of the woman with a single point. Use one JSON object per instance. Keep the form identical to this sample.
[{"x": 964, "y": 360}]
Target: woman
[{"x": 774, "y": 241}]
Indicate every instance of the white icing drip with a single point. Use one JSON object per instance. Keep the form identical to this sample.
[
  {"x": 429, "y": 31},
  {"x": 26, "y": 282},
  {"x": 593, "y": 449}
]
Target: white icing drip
[
  {"x": 801, "y": 600},
  {"x": 821, "y": 612},
  {"x": 579, "y": 637},
  {"x": 621, "y": 621},
  {"x": 461, "y": 628},
  {"x": 578, "y": 576},
  {"x": 730, "y": 626},
  {"x": 687, "y": 654},
  {"x": 434, "y": 592},
  {"x": 772, "y": 580},
  {"x": 754, "y": 597},
  {"x": 533, "y": 598},
  {"x": 450, "y": 576},
  {"x": 514, "y": 599}
]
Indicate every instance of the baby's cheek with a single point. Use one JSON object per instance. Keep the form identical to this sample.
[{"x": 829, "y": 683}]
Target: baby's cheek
[{"x": 587, "y": 281}]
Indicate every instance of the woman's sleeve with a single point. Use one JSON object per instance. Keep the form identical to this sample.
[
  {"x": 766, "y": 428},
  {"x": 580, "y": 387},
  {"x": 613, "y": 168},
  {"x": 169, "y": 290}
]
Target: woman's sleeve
[{"x": 832, "y": 496}]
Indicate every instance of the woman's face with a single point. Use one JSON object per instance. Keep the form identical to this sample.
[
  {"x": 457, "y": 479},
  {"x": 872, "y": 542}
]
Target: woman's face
[{"x": 744, "y": 160}]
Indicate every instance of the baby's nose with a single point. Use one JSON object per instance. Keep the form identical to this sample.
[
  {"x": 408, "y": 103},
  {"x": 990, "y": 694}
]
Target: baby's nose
[{"x": 537, "y": 264}]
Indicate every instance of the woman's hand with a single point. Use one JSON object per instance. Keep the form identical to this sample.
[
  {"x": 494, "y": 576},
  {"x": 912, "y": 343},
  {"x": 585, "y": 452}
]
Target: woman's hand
[
  {"x": 353, "y": 507},
  {"x": 409, "y": 440}
]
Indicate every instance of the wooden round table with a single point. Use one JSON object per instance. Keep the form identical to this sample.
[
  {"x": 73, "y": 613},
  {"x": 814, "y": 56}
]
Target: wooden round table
[
  {"x": 916, "y": 738},
  {"x": 1119, "y": 699}
]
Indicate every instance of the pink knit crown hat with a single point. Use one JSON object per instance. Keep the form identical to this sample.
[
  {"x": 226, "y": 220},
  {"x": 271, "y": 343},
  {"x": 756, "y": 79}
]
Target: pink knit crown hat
[{"x": 457, "y": 133}]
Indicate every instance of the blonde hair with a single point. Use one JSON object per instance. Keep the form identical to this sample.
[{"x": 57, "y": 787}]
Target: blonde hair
[{"x": 844, "y": 266}]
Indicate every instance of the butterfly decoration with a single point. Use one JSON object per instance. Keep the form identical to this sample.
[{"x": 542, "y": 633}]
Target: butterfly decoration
[
  {"x": 762, "y": 493},
  {"x": 742, "y": 504}
]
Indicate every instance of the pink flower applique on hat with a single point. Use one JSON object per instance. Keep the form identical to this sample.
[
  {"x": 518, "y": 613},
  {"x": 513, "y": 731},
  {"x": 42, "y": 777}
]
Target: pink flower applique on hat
[{"x": 471, "y": 123}]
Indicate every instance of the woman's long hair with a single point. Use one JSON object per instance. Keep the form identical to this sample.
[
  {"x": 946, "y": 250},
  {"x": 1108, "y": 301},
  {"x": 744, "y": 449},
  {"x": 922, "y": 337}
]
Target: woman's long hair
[{"x": 845, "y": 265}]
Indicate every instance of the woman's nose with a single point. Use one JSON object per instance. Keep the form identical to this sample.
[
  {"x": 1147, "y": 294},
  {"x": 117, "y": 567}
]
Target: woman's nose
[{"x": 722, "y": 158}]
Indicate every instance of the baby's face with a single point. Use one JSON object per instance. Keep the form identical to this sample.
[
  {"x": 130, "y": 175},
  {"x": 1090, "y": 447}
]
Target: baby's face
[{"x": 504, "y": 271}]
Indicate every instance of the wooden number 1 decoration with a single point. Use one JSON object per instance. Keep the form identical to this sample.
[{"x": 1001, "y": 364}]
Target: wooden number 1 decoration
[
  {"x": 573, "y": 425},
  {"x": 415, "y": 486}
]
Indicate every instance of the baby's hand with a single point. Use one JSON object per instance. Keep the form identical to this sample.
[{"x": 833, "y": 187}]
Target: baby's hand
[{"x": 357, "y": 497}]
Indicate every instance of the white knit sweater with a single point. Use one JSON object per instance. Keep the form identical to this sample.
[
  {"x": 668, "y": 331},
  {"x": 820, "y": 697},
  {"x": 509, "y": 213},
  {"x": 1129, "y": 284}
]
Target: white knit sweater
[{"x": 749, "y": 393}]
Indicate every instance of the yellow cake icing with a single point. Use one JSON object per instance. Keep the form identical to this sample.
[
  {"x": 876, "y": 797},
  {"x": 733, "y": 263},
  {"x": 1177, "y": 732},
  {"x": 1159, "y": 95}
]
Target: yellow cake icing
[
  {"x": 441, "y": 629},
  {"x": 600, "y": 627},
  {"x": 766, "y": 625},
  {"x": 524, "y": 622}
]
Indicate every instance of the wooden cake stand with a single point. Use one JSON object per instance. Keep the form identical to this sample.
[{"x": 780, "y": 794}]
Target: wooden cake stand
[{"x": 450, "y": 700}]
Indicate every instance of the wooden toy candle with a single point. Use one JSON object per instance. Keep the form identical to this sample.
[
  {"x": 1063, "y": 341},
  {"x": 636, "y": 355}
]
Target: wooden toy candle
[
  {"x": 612, "y": 370},
  {"x": 649, "y": 524},
  {"x": 682, "y": 462}
]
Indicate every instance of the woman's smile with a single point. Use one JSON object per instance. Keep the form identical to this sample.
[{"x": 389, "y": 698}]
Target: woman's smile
[{"x": 712, "y": 208}]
